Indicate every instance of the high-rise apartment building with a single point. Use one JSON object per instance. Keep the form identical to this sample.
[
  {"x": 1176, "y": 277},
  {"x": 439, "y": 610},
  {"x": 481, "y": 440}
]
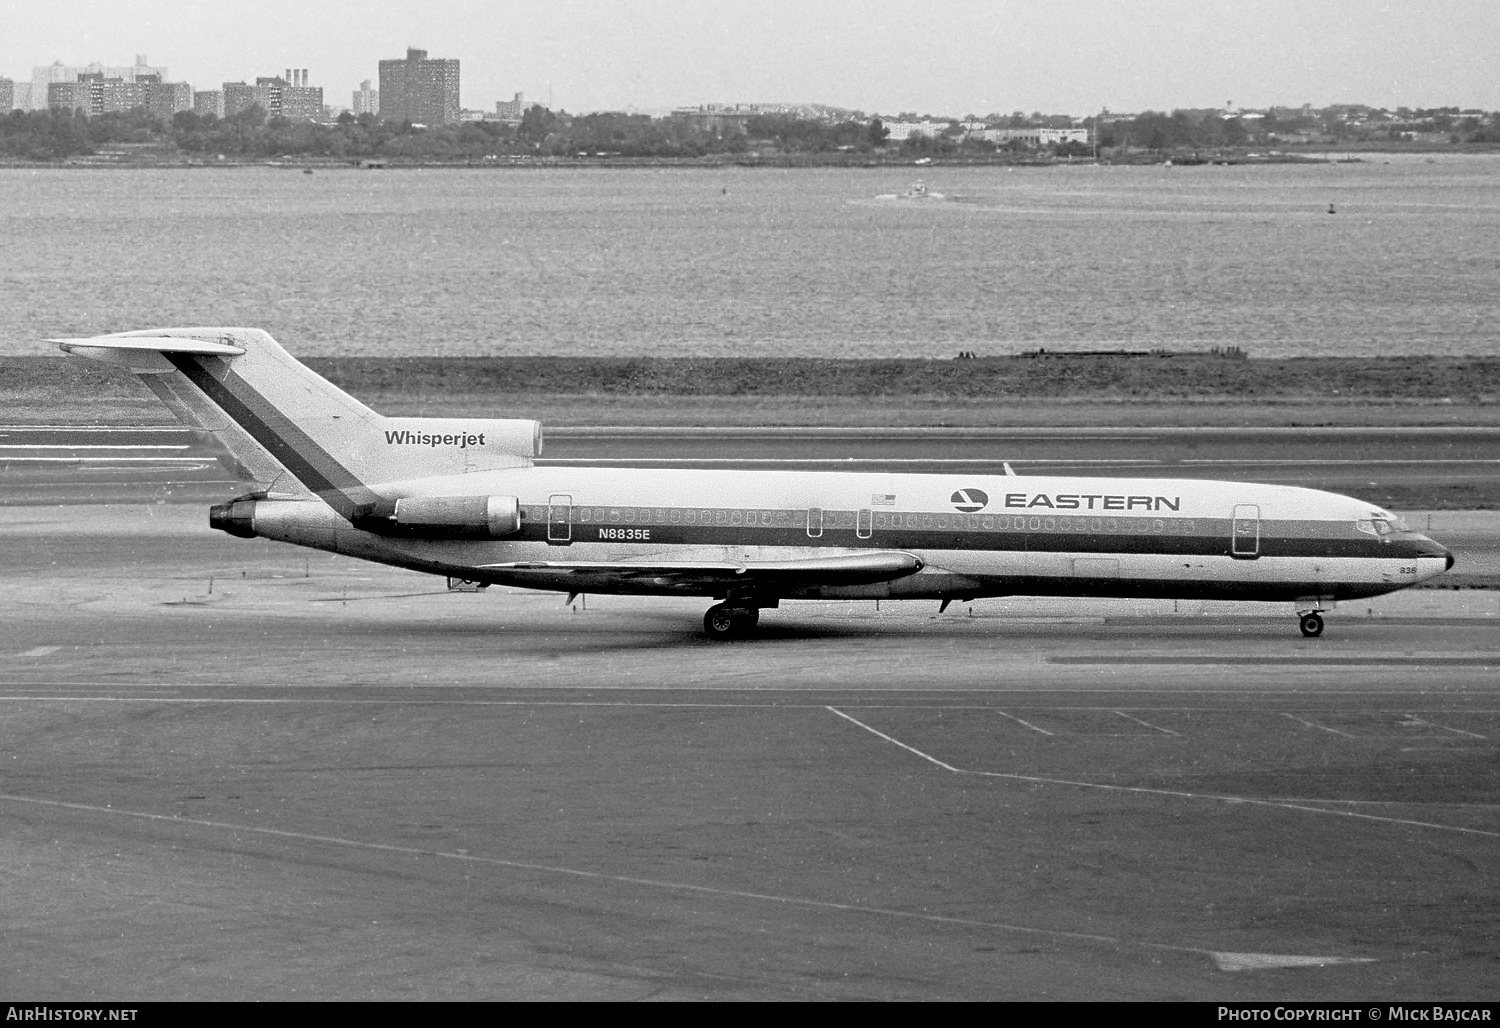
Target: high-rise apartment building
[
  {"x": 289, "y": 97},
  {"x": 7, "y": 96},
  {"x": 209, "y": 101},
  {"x": 94, "y": 94},
  {"x": 164, "y": 99},
  {"x": 43, "y": 77},
  {"x": 366, "y": 100},
  {"x": 419, "y": 90},
  {"x": 239, "y": 98},
  {"x": 511, "y": 110},
  {"x": 301, "y": 102}
]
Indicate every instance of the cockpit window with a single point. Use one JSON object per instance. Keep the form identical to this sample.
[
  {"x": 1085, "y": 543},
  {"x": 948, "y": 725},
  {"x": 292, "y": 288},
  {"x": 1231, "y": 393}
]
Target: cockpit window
[{"x": 1382, "y": 526}]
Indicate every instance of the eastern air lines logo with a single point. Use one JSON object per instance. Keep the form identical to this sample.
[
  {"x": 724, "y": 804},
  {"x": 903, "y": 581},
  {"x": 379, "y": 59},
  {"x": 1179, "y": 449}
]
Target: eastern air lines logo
[{"x": 970, "y": 500}]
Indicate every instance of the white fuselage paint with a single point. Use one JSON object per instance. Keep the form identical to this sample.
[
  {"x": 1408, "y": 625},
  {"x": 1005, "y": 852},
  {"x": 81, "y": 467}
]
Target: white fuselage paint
[{"x": 1088, "y": 536}]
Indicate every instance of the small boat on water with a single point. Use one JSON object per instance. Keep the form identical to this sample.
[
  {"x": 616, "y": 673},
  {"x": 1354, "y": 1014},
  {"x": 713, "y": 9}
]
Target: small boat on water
[{"x": 918, "y": 191}]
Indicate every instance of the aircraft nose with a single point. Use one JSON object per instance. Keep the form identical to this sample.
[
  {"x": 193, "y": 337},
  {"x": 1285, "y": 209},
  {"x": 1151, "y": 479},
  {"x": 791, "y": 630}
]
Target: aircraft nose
[
  {"x": 1432, "y": 548},
  {"x": 1429, "y": 548}
]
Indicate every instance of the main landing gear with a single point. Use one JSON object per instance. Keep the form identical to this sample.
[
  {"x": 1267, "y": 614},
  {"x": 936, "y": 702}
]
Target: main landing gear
[
  {"x": 725, "y": 622},
  {"x": 1311, "y": 624}
]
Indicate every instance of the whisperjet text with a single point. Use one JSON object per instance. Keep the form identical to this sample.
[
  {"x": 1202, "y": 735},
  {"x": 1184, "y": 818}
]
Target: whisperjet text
[
  {"x": 462, "y": 440},
  {"x": 1092, "y": 501}
]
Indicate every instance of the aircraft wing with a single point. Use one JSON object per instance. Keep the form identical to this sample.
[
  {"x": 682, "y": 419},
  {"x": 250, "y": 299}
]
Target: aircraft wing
[{"x": 845, "y": 569}]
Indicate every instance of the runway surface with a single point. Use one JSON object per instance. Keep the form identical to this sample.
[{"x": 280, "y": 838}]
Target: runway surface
[
  {"x": 234, "y": 769},
  {"x": 1456, "y": 468}
]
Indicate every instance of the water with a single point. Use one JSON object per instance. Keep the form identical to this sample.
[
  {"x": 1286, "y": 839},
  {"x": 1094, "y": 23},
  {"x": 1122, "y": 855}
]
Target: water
[{"x": 738, "y": 261}]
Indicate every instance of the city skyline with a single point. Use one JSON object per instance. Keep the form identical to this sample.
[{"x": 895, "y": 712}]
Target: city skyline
[{"x": 949, "y": 57}]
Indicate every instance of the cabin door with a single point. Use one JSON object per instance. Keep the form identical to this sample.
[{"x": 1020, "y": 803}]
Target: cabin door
[
  {"x": 1244, "y": 541},
  {"x": 560, "y": 520}
]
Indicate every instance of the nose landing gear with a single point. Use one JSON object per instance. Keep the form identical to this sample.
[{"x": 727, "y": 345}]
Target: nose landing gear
[
  {"x": 724, "y": 622},
  {"x": 1310, "y": 613}
]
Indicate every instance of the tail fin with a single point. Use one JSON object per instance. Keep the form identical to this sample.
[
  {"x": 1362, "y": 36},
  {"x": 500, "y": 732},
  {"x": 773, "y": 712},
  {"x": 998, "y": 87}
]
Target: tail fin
[{"x": 277, "y": 418}]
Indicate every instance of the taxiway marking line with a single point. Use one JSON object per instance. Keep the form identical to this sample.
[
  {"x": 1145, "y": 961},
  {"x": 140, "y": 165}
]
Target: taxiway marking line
[
  {"x": 1218, "y": 957},
  {"x": 1142, "y": 790},
  {"x": 769, "y": 690},
  {"x": 1153, "y": 462},
  {"x": 82, "y": 457},
  {"x": 1018, "y": 721},
  {"x": 897, "y": 742},
  {"x": 403, "y": 700},
  {"x": 1249, "y": 659},
  {"x": 1148, "y": 724},
  {"x": 418, "y": 700},
  {"x": 1314, "y": 724},
  {"x": 832, "y": 462},
  {"x": 1434, "y": 724},
  {"x": 1423, "y": 461}
]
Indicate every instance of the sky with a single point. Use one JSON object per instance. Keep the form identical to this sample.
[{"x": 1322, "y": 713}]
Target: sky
[{"x": 946, "y": 57}]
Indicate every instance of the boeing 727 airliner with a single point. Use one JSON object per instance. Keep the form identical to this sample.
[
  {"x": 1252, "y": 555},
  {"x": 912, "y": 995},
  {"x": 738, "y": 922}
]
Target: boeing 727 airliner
[{"x": 464, "y": 498}]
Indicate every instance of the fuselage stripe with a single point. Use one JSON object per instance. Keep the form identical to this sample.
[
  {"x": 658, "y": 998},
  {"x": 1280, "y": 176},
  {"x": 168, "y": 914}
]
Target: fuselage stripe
[
  {"x": 313, "y": 466},
  {"x": 931, "y": 530}
]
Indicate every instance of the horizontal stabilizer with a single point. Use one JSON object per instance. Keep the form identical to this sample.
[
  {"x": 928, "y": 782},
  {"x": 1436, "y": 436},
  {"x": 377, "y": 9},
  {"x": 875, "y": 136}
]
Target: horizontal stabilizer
[
  {"x": 161, "y": 344},
  {"x": 849, "y": 569}
]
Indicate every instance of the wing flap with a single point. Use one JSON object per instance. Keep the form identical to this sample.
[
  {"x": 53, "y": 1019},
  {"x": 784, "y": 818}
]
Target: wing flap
[{"x": 845, "y": 569}]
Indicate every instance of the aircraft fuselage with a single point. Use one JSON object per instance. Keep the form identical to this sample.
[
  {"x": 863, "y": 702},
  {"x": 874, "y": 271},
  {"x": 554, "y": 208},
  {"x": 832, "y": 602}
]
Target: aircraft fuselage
[{"x": 974, "y": 535}]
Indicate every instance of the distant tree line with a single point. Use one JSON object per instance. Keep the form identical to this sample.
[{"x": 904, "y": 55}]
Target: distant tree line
[
  {"x": 54, "y": 135},
  {"x": 1185, "y": 129},
  {"x": 50, "y": 135}
]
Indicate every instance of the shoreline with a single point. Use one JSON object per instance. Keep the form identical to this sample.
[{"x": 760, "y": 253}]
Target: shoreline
[{"x": 1248, "y": 157}]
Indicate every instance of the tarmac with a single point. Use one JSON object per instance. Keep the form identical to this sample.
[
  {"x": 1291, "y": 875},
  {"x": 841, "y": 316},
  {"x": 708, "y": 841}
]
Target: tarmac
[{"x": 234, "y": 769}]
